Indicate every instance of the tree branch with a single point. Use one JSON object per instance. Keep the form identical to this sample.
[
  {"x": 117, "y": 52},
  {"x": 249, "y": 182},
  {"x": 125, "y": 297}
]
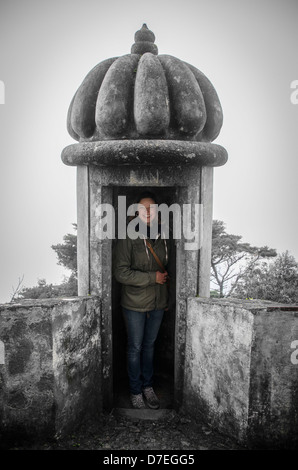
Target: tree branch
[{"x": 16, "y": 291}]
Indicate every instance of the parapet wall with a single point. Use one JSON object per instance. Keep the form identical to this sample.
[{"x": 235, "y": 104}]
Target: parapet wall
[
  {"x": 241, "y": 375},
  {"x": 50, "y": 369},
  {"x": 240, "y": 371}
]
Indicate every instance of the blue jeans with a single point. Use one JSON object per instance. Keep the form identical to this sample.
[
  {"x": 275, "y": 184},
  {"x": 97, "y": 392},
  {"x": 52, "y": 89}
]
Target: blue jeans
[{"x": 142, "y": 330}]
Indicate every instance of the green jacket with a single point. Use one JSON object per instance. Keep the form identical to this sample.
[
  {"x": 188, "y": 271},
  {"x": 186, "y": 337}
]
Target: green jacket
[{"x": 134, "y": 267}]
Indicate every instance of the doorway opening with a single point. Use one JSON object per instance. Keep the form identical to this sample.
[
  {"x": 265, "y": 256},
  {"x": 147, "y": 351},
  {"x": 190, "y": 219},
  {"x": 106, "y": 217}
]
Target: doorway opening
[{"x": 164, "y": 357}]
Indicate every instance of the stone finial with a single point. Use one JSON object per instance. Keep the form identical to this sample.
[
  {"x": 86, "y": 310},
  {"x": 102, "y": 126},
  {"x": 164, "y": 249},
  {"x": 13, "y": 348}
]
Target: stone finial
[{"x": 144, "y": 42}]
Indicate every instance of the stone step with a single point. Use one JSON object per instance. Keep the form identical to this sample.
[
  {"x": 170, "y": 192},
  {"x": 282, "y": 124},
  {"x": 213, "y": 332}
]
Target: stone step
[{"x": 144, "y": 414}]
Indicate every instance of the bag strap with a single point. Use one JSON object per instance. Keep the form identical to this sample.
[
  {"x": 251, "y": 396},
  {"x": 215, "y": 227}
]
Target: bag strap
[{"x": 154, "y": 254}]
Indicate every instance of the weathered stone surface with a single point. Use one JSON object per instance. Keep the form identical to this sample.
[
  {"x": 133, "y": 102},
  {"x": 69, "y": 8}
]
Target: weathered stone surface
[
  {"x": 51, "y": 373},
  {"x": 26, "y": 333},
  {"x": 214, "y": 115},
  {"x": 218, "y": 361},
  {"x": 144, "y": 152},
  {"x": 81, "y": 111},
  {"x": 151, "y": 98},
  {"x": 238, "y": 370},
  {"x": 273, "y": 394},
  {"x": 145, "y": 95},
  {"x": 144, "y": 42},
  {"x": 113, "y": 113},
  {"x": 76, "y": 362},
  {"x": 187, "y": 102}
]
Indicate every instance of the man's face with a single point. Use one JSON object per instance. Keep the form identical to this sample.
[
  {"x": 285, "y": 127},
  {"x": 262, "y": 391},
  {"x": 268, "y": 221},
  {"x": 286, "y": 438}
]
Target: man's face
[{"x": 147, "y": 214}]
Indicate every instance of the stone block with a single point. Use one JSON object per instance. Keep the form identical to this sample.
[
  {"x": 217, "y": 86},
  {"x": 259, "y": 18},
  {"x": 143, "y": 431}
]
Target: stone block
[
  {"x": 51, "y": 368},
  {"x": 239, "y": 376}
]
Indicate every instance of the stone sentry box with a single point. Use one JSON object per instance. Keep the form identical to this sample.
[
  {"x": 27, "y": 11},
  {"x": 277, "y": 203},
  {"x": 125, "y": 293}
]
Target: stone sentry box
[
  {"x": 232, "y": 361},
  {"x": 143, "y": 120}
]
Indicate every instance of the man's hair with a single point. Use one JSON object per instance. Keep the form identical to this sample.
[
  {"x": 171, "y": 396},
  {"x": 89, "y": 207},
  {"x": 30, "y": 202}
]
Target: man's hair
[{"x": 147, "y": 195}]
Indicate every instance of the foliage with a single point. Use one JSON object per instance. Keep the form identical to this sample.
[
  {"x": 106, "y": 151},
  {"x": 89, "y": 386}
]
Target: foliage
[
  {"x": 237, "y": 269},
  {"x": 43, "y": 290},
  {"x": 67, "y": 256},
  {"x": 67, "y": 251},
  {"x": 232, "y": 259},
  {"x": 276, "y": 281}
]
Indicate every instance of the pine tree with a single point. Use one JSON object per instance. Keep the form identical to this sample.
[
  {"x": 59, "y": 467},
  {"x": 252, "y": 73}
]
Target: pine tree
[{"x": 232, "y": 259}]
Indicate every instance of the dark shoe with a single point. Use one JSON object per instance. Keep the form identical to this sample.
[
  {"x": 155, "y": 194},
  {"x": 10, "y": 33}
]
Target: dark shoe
[
  {"x": 137, "y": 401},
  {"x": 151, "y": 398}
]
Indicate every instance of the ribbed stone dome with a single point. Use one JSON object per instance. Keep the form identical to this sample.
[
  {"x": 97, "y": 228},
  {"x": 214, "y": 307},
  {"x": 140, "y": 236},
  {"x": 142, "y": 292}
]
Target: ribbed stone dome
[{"x": 144, "y": 95}]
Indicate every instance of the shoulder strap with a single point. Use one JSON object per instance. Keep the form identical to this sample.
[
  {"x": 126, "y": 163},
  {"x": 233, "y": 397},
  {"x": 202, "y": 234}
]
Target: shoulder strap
[{"x": 155, "y": 255}]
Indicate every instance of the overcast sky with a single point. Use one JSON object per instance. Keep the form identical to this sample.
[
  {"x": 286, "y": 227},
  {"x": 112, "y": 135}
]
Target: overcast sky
[{"x": 248, "y": 49}]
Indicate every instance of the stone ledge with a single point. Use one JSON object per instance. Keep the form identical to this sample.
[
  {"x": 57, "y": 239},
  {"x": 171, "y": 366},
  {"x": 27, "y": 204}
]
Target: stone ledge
[
  {"x": 48, "y": 302},
  {"x": 249, "y": 304},
  {"x": 144, "y": 152}
]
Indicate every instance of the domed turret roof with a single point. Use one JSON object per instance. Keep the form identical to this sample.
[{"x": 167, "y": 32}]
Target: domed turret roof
[{"x": 144, "y": 95}]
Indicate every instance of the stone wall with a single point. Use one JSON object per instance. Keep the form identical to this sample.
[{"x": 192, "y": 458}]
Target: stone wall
[
  {"x": 239, "y": 375},
  {"x": 240, "y": 370},
  {"x": 50, "y": 372}
]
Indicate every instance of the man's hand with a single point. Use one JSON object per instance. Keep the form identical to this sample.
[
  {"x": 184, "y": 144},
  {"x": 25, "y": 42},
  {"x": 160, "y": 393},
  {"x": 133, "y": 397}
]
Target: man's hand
[{"x": 161, "y": 278}]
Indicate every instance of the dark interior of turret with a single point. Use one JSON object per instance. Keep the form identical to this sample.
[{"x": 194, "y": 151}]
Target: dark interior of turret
[{"x": 164, "y": 346}]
